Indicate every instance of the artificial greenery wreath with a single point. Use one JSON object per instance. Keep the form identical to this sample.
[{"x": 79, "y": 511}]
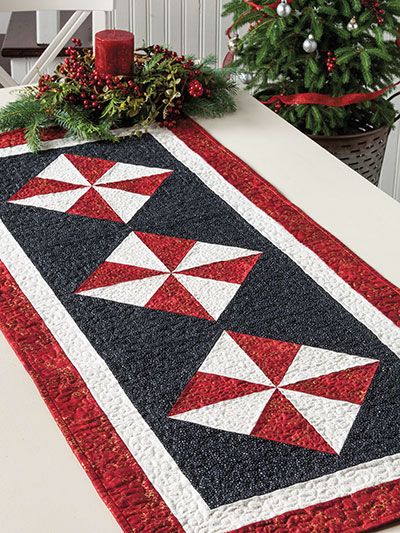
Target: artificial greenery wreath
[{"x": 163, "y": 85}]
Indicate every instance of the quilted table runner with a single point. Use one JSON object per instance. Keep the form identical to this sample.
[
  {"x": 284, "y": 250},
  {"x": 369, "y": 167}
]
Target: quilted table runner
[{"x": 216, "y": 360}]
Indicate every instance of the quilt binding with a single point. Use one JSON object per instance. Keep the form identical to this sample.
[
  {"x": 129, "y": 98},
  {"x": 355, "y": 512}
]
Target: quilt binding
[{"x": 123, "y": 485}]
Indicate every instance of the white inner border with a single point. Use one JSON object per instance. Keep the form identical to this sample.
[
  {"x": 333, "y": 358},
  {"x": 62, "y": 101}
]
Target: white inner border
[{"x": 162, "y": 471}]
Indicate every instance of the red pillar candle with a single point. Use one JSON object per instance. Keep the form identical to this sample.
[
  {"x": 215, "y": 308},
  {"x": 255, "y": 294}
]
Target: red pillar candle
[{"x": 114, "y": 52}]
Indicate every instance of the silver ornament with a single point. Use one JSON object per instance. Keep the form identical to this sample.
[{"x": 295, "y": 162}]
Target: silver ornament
[
  {"x": 352, "y": 25},
  {"x": 283, "y": 9},
  {"x": 310, "y": 44},
  {"x": 233, "y": 44},
  {"x": 245, "y": 77}
]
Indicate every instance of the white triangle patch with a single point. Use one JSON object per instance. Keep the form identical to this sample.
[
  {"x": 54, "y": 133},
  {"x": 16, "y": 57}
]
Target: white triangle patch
[
  {"x": 204, "y": 253},
  {"x": 125, "y": 204},
  {"x": 239, "y": 415},
  {"x": 312, "y": 362},
  {"x": 124, "y": 171},
  {"x": 213, "y": 295},
  {"x": 229, "y": 360},
  {"x": 61, "y": 169},
  {"x": 133, "y": 251},
  {"x": 59, "y": 201},
  {"x": 332, "y": 419},
  {"x": 136, "y": 292}
]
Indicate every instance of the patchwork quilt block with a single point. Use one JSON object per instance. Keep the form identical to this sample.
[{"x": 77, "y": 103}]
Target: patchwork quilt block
[
  {"x": 171, "y": 274},
  {"x": 217, "y": 361},
  {"x": 91, "y": 187},
  {"x": 276, "y": 390}
]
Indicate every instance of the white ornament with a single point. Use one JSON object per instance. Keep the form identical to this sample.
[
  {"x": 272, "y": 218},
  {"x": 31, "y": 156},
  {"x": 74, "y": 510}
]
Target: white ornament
[
  {"x": 310, "y": 44},
  {"x": 352, "y": 25},
  {"x": 245, "y": 77},
  {"x": 283, "y": 9},
  {"x": 233, "y": 44}
]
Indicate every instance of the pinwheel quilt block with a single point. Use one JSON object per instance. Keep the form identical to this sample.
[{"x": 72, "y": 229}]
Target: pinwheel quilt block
[
  {"x": 171, "y": 274},
  {"x": 91, "y": 187}
]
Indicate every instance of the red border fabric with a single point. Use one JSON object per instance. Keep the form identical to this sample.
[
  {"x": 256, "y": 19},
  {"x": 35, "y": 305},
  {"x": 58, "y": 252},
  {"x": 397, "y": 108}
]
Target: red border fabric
[
  {"x": 115, "y": 474},
  {"x": 17, "y": 137}
]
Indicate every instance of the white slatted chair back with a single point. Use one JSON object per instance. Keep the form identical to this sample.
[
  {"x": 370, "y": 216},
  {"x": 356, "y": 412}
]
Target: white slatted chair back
[{"x": 100, "y": 9}]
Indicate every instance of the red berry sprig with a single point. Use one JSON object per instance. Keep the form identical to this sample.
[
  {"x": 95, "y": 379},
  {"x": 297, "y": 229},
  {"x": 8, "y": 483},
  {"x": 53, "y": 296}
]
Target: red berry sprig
[
  {"x": 168, "y": 54},
  {"x": 376, "y": 7},
  {"x": 195, "y": 87},
  {"x": 173, "y": 114},
  {"x": 330, "y": 61}
]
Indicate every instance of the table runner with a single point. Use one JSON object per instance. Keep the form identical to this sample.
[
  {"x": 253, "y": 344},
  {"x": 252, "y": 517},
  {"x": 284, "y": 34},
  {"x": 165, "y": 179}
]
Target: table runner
[{"x": 216, "y": 360}]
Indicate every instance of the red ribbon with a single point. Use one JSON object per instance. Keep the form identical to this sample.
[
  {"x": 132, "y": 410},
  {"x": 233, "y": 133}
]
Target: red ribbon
[
  {"x": 324, "y": 99},
  {"x": 255, "y": 6}
]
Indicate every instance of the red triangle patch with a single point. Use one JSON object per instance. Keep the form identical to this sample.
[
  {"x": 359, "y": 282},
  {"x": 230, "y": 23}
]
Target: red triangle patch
[
  {"x": 171, "y": 250},
  {"x": 112, "y": 273},
  {"x": 350, "y": 385},
  {"x": 91, "y": 168},
  {"x": 233, "y": 271},
  {"x": 272, "y": 356},
  {"x": 280, "y": 421},
  {"x": 146, "y": 185},
  {"x": 174, "y": 298},
  {"x": 38, "y": 186},
  {"x": 91, "y": 204},
  {"x": 207, "y": 389}
]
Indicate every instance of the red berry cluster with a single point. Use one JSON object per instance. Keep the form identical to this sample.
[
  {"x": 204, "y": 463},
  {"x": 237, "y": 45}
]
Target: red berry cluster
[
  {"x": 195, "y": 88},
  {"x": 330, "y": 61},
  {"x": 44, "y": 84},
  {"x": 376, "y": 7},
  {"x": 173, "y": 114},
  {"x": 257, "y": 23},
  {"x": 74, "y": 67},
  {"x": 168, "y": 54}
]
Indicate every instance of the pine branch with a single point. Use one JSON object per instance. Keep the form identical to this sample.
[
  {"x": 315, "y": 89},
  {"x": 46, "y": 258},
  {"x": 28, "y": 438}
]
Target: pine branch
[
  {"x": 19, "y": 113},
  {"x": 80, "y": 125}
]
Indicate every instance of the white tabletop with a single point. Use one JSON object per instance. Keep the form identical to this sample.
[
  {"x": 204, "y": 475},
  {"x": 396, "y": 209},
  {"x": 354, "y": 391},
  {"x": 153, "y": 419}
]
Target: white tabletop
[{"x": 43, "y": 488}]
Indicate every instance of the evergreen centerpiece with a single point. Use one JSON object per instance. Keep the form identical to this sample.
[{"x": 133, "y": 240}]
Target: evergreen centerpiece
[
  {"x": 297, "y": 54},
  {"x": 162, "y": 86}
]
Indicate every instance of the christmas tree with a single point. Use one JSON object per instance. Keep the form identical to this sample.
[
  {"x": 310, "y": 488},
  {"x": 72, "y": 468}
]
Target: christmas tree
[{"x": 335, "y": 49}]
